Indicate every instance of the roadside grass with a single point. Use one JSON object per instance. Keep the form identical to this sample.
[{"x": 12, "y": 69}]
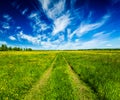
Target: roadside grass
[
  {"x": 62, "y": 84},
  {"x": 72, "y": 75},
  {"x": 20, "y": 70},
  {"x": 100, "y": 70},
  {"x": 80, "y": 89}
]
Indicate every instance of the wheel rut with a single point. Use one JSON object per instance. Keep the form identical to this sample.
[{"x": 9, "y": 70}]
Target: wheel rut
[
  {"x": 80, "y": 89},
  {"x": 37, "y": 88}
]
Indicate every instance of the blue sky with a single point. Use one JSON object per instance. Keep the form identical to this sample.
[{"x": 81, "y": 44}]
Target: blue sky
[{"x": 60, "y": 24}]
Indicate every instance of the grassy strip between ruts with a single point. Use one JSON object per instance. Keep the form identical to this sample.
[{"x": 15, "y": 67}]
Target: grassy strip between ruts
[{"x": 60, "y": 84}]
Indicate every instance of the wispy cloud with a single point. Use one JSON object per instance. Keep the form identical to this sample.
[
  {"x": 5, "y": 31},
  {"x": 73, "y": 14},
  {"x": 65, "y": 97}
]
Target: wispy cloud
[
  {"x": 113, "y": 43},
  {"x": 98, "y": 34},
  {"x": 55, "y": 10},
  {"x": 12, "y": 38},
  {"x": 61, "y": 23},
  {"x": 37, "y": 25},
  {"x": 24, "y": 11},
  {"x": 45, "y": 4},
  {"x": 7, "y": 17},
  {"x": 5, "y": 25},
  {"x": 29, "y": 38},
  {"x": 97, "y": 41},
  {"x": 54, "y": 44},
  {"x": 69, "y": 46},
  {"x": 86, "y": 27}
]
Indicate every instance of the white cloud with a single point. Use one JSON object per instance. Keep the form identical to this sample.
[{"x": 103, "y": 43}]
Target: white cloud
[
  {"x": 45, "y": 4},
  {"x": 18, "y": 27},
  {"x": 33, "y": 15},
  {"x": 24, "y": 11},
  {"x": 37, "y": 25},
  {"x": 34, "y": 40},
  {"x": 46, "y": 45},
  {"x": 98, "y": 34},
  {"x": 91, "y": 44},
  {"x": 6, "y": 25},
  {"x": 7, "y": 17},
  {"x": 98, "y": 41},
  {"x": 54, "y": 11},
  {"x": 109, "y": 45},
  {"x": 52, "y": 44},
  {"x": 59, "y": 44},
  {"x": 61, "y": 23},
  {"x": 86, "y": 27},
  {"x": 12, "y": 38},
  {"x": 69, "y": 46},
  {"x": 43, "y": 26},
  {"x": 113, "y": 43}
]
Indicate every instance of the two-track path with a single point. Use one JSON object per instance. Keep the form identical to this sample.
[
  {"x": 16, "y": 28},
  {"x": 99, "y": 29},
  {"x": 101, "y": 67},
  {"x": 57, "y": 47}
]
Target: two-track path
[
  {"x": 60, "y": 82},
  {"x": 80, "y": 89},
  {"x": 40, "y": 84}
]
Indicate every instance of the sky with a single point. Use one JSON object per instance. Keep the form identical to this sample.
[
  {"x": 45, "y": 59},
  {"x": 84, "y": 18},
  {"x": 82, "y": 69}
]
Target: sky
[{"x": 60, "y": 24}]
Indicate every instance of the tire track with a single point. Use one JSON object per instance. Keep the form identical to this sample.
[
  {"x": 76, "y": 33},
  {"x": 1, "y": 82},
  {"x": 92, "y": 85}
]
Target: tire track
[
  {"x": 80, "y": 90},
  {"x": 40, "y": 85}
]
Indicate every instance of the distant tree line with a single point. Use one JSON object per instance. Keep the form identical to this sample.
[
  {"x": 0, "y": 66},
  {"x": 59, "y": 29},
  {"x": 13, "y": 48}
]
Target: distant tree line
[{"x": 4, "y": 47}]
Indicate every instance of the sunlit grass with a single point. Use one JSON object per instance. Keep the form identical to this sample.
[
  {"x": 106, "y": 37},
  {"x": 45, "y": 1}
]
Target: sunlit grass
[
  {"x": 20, "y": 70},
  {"x": 100, "y": 70}
]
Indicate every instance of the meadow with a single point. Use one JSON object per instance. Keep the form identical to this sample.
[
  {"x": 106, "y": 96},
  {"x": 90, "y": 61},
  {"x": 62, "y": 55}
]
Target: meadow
[{"x": 60, "y": 75}]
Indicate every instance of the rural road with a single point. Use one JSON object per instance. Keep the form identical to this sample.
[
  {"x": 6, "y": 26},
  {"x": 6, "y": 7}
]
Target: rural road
[
  {"x": 59, "y": 81},
  {"x": 41, "y": 83}
]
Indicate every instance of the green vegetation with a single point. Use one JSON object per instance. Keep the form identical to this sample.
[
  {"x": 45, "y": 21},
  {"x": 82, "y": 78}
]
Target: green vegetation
[
  {"x": 60, "y": 84},
  {"x": 100, "y": 70},
  {"x": 20, "y": 70},
  {"x": 60, "y": 75},
  {"x": 4, "y": 47}
]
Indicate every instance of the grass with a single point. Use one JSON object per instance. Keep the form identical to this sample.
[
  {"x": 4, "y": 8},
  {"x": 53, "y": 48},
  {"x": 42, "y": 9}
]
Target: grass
[
  {"x": 100, "y": 70},
  {"x": 61, "y": 86},
  {"x": 20, "y": 70},
  {"x": 61, "y": 75}
]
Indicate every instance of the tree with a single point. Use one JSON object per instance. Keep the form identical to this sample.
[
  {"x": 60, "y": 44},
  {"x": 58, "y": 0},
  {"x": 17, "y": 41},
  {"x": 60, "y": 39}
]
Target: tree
[
  {"x": 10, "y": 48},
  {"x": 4, "y": 47}
]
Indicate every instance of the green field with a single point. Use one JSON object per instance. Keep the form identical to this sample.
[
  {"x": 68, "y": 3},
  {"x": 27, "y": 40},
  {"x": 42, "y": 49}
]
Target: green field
[{"x": 60, "y": 75}]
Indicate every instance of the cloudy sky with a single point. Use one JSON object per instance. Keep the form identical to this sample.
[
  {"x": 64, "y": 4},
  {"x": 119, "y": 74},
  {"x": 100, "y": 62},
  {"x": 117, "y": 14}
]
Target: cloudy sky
[{"x": 60, "y": 24}]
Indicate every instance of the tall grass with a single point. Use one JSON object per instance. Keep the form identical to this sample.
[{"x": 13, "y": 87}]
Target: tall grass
[
  {"x": 19, "y": 71},
  {"x": 99, "y": 69},
  {"x": 59, "y": 86}
]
